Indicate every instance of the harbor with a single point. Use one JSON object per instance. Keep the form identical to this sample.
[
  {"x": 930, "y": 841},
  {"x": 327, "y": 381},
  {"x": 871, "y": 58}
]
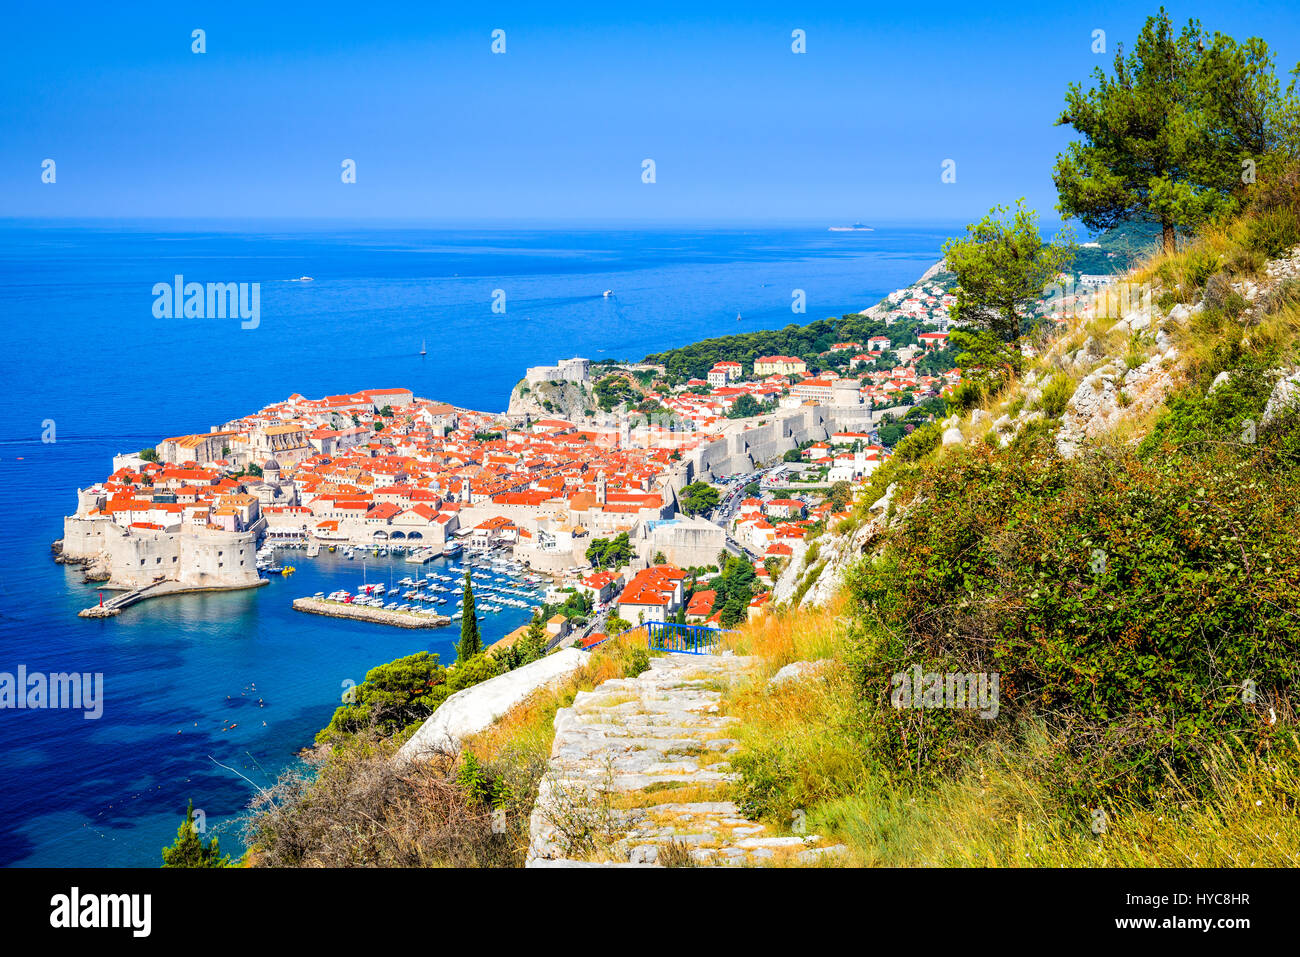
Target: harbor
[{"x": 501, "y": 585}]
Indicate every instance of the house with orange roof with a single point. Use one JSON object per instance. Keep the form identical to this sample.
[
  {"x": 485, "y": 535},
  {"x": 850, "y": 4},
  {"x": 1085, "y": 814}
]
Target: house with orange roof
[
  {"x": 601, "y": 585},
  {"x": 700, "y": 607},
  {"x": 652, "y": 594}
]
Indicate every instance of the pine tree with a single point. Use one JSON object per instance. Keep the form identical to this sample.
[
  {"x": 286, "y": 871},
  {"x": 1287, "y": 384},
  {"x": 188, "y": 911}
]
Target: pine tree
[
  {"x": 1166, "y": 137},
  {"x": 534, "y": 640},
  {"x": 190, "y": 850},
  {"x": 470, "y": 642}
]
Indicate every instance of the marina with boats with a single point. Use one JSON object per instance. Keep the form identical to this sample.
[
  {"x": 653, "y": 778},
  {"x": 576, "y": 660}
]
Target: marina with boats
[{"x": 500, "y": 584}]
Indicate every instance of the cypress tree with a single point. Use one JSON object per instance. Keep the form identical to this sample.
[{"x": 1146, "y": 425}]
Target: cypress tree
[{"x": 470, "y": 642}]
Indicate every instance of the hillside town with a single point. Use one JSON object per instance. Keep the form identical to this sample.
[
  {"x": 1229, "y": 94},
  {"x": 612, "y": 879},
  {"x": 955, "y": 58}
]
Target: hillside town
[{"x": 687, "y": 474}]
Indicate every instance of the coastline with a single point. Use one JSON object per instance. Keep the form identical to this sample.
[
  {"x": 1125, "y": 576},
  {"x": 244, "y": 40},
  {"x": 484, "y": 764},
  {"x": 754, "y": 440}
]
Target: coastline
[{"x": 195, "y": 666}]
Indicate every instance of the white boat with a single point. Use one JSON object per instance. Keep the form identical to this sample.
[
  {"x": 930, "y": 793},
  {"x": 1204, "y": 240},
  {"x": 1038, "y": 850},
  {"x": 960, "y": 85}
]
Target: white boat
[{"x": 608, "y": 293}]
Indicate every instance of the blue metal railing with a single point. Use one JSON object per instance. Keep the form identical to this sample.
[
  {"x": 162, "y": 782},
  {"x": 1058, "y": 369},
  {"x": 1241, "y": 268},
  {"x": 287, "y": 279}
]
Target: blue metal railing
[{"x": 672, "y": 637}]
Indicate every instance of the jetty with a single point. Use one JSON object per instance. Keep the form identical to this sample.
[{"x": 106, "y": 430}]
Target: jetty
[
  {"x": 154, "y": 589},
  {"x": 422, "y": 555},
  {"x": 380, "y": 616}
]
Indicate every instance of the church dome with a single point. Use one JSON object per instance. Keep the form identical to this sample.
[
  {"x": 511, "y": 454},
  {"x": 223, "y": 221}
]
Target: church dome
[{"x": 271, "y": 464}]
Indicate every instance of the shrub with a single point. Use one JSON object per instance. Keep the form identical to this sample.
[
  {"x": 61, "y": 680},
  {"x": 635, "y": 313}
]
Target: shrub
[
  {"x": 1199, "y": 415},
  {"x": 921, "y": 442},
  {"x": 1138, "y": 657},
  {"x": 966, "y": 396},
  {"x": 1273, "y": 233},
  {"x": 1220, "y": 296},
  {"x": 1056, "y": 395},
  {"x": 1186, "y": 273}
]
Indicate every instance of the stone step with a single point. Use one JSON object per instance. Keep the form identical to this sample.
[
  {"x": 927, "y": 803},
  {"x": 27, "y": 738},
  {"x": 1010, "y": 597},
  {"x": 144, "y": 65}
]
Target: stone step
[{"x": 632, "y": 737}]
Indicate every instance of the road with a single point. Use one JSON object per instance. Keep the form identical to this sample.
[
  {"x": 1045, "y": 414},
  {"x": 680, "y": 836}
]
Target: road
[{"x": 732, "y": 494}]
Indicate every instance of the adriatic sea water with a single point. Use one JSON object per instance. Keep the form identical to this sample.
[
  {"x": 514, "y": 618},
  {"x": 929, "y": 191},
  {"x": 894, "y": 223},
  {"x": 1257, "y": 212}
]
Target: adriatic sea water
[{"x": 193, "y": 683}]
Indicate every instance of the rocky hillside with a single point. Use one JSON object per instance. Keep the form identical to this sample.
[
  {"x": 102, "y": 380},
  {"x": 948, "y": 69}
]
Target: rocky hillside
[
  {"x": 1104, "y": 378},
  {"x": 562, "y": 400}
]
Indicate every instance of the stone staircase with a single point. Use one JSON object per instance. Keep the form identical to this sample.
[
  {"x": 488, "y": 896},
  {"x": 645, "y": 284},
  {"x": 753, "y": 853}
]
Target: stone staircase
[{"x": 640, "y": 775}]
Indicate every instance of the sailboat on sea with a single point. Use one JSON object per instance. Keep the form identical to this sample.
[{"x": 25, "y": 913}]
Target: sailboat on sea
[{"x": 423, "y": 350}]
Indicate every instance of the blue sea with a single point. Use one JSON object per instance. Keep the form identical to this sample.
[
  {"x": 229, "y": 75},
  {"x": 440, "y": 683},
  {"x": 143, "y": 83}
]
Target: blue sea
[{"x": 208, "y": 696}]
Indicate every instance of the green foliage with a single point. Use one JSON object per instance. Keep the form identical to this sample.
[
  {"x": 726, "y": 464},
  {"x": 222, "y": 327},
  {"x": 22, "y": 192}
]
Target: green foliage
[
  {"x": 1274, "y": 233},
  {"x": 892, "y": 433},
  {"x": 529, "y": 648},
  {"x": 1165, "y": 136},
  {"x": 985, "y": 361},
  {"x": 1056, "y": 395},
  {"x": 698, "y": 497},
  {"x": 735, "y": 587},
  {"x": 921, "y": 442},
  {"x": 1125, "y": 599},
  {"x": 610, "y": 552},
  {"x": 190, "y": 850},
  {"x": 840, "y": 495},
  {"x": 613, "y": 390},
  {"x": 929, "y": 409},
  {"x": 470, "y": 641},
  {"x": 392, "y": 697},
  {"x": 1220, "y": 414},
  {"x": 745, "y": 407},
  {"x": 637, "y": 661},
  {"x": 807, "y": 342},
  {"x": 149, "y": 455},
  {"x": 967, "y": 394},
  {"x": 577, "y": 605},
  {"x": 471, "y": 671},
  {"x": 1001, "y": 266}
]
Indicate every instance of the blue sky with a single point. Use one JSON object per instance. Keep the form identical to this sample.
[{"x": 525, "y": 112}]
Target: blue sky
[{"x": 441, "y": 129}]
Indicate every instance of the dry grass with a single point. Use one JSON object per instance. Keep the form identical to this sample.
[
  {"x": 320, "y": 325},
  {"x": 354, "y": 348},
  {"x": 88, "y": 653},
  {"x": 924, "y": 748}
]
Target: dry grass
[
  {"x": 999, "y": 816},
  {"x": 1001, "y": 811},
  {"x": 350, "y": 805},
  {"x": 794, "y": 635}
]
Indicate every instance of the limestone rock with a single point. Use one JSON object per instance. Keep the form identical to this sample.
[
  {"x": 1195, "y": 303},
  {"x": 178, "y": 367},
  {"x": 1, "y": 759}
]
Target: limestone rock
[
  {"x": 1284, "y": 397},
  {"x": 797, "y": 670},
  {"x": 1139, "y": 320},
  {"x": 474, "y": 709}
]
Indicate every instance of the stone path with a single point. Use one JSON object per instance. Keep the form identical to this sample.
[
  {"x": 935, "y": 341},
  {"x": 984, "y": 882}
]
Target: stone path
[{"x": 640, "y": 775}]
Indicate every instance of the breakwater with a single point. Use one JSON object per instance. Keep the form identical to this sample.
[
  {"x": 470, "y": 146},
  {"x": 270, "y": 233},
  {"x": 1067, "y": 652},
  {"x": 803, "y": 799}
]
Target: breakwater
[{"x": 380, "y": 616}]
